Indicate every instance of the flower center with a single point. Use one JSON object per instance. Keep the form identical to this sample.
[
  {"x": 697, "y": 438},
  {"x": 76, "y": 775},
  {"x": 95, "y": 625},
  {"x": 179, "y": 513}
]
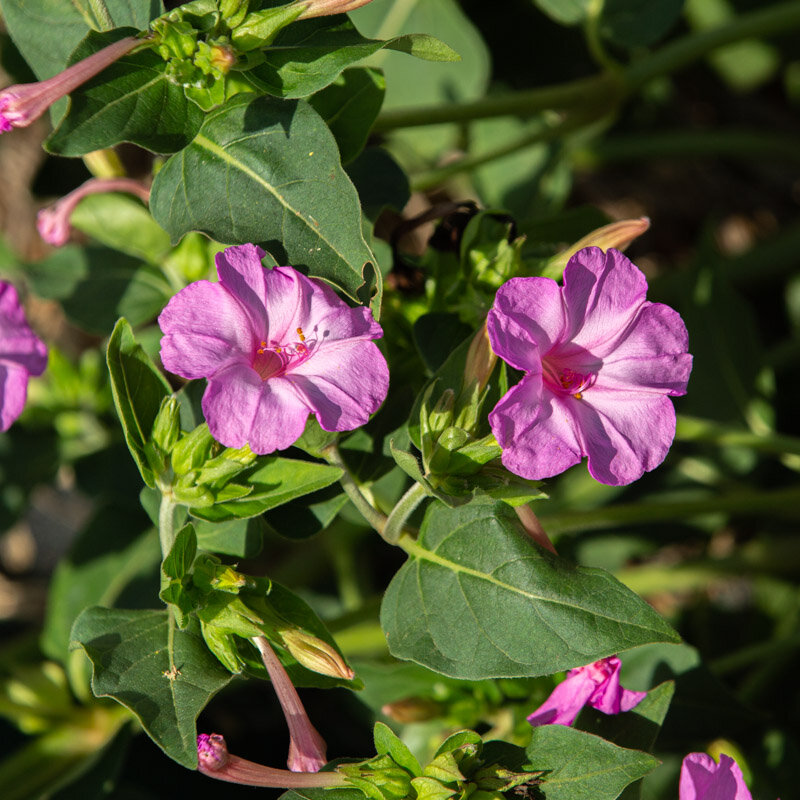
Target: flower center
[
  {"x": 273, "y": 358},
  {"x": 565, "y": 380}
]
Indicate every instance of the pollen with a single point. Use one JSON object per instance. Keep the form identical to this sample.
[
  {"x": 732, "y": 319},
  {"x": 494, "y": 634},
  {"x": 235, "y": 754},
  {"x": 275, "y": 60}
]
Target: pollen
[
  {"x": 300, "y": 334},
  {"x": 578, "y": 396}
]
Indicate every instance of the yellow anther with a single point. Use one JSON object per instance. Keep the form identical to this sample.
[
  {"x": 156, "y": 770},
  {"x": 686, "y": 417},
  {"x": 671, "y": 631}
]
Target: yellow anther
[{"x": 578, "y": 396}]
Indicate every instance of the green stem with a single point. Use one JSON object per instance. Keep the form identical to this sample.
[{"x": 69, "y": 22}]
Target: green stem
[
  {"x": 692, "y": 429},
  {"x": 607, "y": 88},
  {"x": 396, "y": 521},
  {"x": 564, "y": 96},
  {"x": 781, "y": 502},
  {"x": 166, "y": 522},
  {"x": 377, "y": 519},
  {"x": 428, "y": 180}
]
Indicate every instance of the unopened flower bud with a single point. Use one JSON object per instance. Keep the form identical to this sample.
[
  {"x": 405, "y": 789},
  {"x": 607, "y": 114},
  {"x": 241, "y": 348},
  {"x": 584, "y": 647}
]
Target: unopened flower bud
[
  {"x": 617, "y": 235},
  {"x": 22, "y": 104},
  {"x": 323, "y": 8},
  {"x": 53, "y": 222},
  {"x": 223, "y": 58},
  {"x": 412, "y": 709},
  {"x": 212, "y": 752},
  {"x": 316, "y": 654},
  {"x": 480, "y": 360}
]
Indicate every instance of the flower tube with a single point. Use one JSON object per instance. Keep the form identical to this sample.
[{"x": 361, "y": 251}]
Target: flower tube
[{"x": 23, "y": 103}]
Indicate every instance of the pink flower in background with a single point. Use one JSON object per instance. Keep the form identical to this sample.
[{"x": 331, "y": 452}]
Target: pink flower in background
[
  {"x": 22, "y": 354},
  {"x": 600, "y": 363},
  {"x": 596, "y": 685},
  {"x": 23, "y": 103},
  {"x": 275, "y": 347},
  {"x": 703, "y": 779},
  {"x": 53, "y": 222}
]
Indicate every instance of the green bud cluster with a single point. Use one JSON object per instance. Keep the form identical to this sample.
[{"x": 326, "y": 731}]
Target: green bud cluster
[{"x": 458, "y": 770}]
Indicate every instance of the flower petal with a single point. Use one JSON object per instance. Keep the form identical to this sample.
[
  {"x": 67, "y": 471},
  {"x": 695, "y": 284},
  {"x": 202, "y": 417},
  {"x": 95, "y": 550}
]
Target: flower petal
[
  {"x": 19, "y": 345},
  {"x": 565, "y": 701},
  {"x": 325, "y": 317},
  {"x": 13, "y": 392},
  {"x": 536, "y": 430},
  {"x": 205, "y": 329},
  {"x": 626, "y": 433},
  {"x": 526, "y": 321},
  {"x": 703, "y": 779},
  {"x": 241, "y": 272},
  {"x": 610, "y": 697},
  {"x": 603, "y": 292},
  {"x": 342, "y": 383},
  {"x": 242, "y": 409}
]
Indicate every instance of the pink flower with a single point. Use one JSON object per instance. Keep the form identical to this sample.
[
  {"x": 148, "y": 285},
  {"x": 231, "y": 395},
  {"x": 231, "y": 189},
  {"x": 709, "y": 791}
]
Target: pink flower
[
  {"x": 306, "y": 747},
  {"x": 600, "y": 364},
  {"x": 22, "y": 354},
  {"x": 22, "y": 104},
  {"x": 703, "y": 779},
  {"x": 53, "y": 222},
  {"x": 596, "y": 685},
  {"x": 275, "y": 347}
]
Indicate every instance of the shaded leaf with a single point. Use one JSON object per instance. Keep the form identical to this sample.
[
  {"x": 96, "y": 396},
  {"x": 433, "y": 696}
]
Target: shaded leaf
[
  {"x": 267, "y": 172},
  {"x": 478, "y": 599},
  {"x": 138, "y": 388},
  {"x": 164, "y": 675},
  {"x": 579, "y": 766},
  {"x": 130, "y": 101}
]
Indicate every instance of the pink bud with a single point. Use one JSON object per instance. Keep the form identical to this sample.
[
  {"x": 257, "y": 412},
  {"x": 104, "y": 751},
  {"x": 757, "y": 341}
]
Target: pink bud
[
  {"x": 323, "y": 8},
  {"x": 23, "y": 103},
  {"x": 53, "y": 222}
]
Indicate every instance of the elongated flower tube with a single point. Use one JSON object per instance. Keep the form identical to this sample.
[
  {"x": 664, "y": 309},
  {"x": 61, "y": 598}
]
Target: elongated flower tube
[
  {"x": 22, "y": 354},
  {"x": 306, "y": 746},
  {"x": 601, "y": 364},
  {"x": 53, "y": 222},
  {"x": 324, "y": 8},
  {"x": 23, "y": 103},
  {"x": 596, "y": 685},
  {"x": 703, "y": 779},
  {"x": 214, "y": 760},
  {"x": 275, "y": 347}
]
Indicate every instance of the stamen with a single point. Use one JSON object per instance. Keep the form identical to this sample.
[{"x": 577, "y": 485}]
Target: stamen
[
  {"x": 578, "y": 396},
  {"x": 300, "y": 334}
]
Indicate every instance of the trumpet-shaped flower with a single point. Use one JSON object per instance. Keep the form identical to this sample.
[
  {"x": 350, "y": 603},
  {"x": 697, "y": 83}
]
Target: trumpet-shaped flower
[
  {"x": 22, "y": 354},
  {"x": 703, "y": 779},
  {"x": 596, "y": 685},
  {"x": 23, "y": 103},
  {"x": 275, "y": 346},
  {"x": 600, "y": 363}
]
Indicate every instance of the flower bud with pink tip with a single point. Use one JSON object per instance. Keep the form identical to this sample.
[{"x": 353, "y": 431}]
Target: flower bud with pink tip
[
  {"x": 324, "y": 8},
  {"x": 53, "y": 222},
  {"x": 23, "y": 103}
]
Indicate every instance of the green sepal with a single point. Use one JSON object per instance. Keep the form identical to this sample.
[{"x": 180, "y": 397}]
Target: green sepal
[
  {"x": 260, "y": 28},
  {"x": 176, "y": 578},
  {"x": 380, "y": 778}
]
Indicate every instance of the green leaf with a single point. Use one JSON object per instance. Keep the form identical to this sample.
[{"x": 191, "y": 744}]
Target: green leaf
[
  {"x": 638, "y": 728},
  {"x": 47, "y": 31},
  {"x": 165, "y": 676},
  {"x": 110, "y": 553},
  {"x": 175, "y": 567},
  {"x": 267, "y": 172},
  {"x": 138, "y": 389},
  {"x": 478, "y": 599},
  {"x": 309, "y": 55},
  {"x": 323, "y": 794},
  {"x": 130, "y": 101},
  {"x": 275, "y": 481},
  {"x": 122, "y": 223},
  {"x": 241, "y": 538},
  {"x": 97, "y": 286},
  {"x": 566, "y": 12},
  {"x": 349, "y": 106},
  {"x": 638, "y": 23},
  {"x": 387, "y": 743},
  {"x": 580, "y": 766}
]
